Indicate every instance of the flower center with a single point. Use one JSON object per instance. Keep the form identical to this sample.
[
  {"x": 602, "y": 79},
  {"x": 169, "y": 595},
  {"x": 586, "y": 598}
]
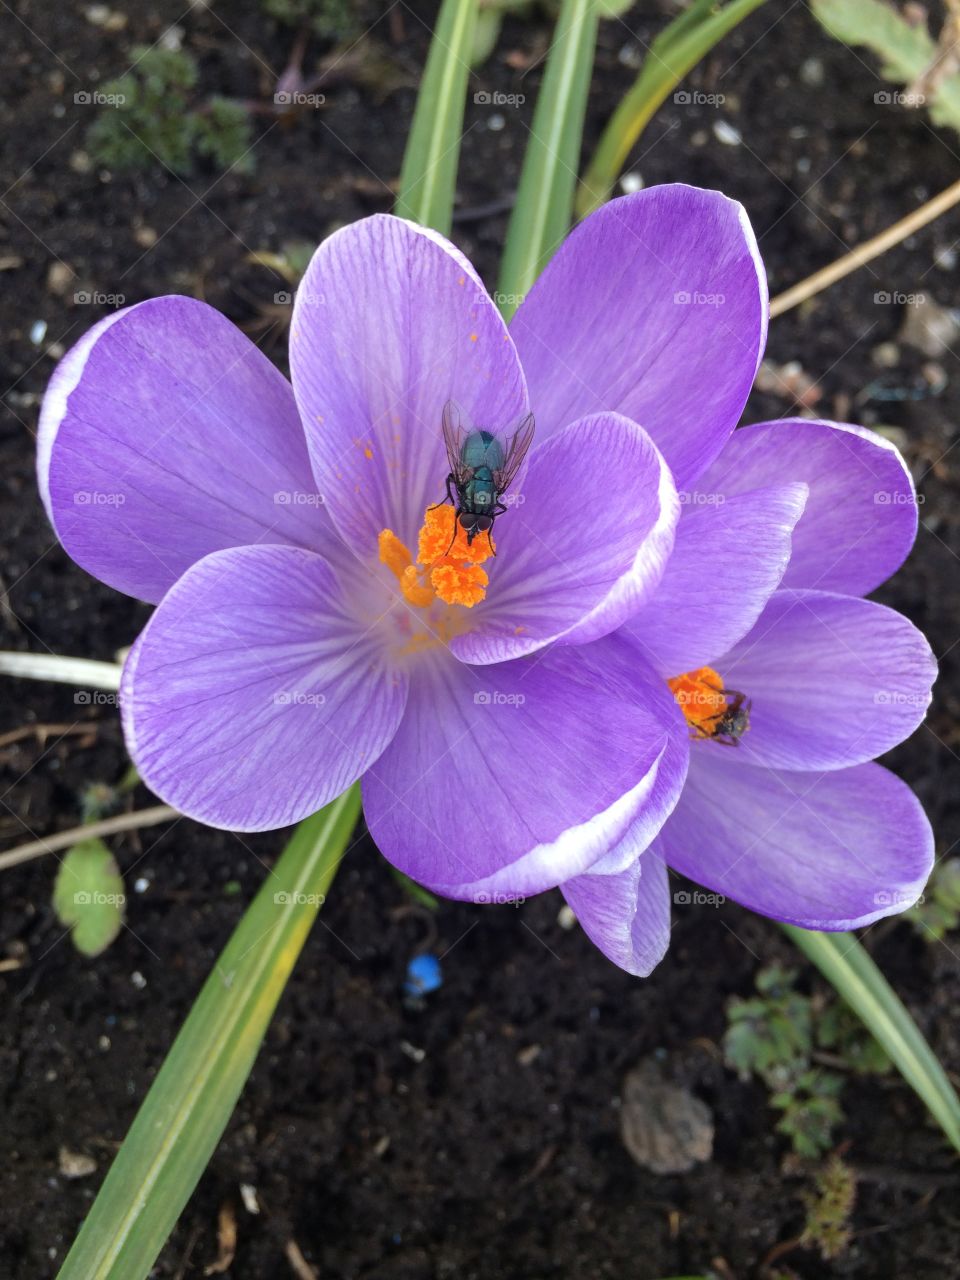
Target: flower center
[
  {"x": 448, "y": 566},
  {"x": 711, "y": 710}
]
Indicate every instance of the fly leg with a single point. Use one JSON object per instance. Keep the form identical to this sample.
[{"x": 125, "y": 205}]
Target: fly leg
[
  {"x": 451, "y": 483},
  {"x": 497, "y": 510}
]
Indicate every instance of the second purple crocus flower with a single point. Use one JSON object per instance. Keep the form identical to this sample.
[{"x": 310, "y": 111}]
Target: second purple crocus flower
[{"x": 512, "y": 721}]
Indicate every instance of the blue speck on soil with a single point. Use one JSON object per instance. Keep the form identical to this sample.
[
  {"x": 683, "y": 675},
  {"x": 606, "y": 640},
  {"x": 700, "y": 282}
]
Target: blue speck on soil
[{"x": 423, "y": 976}]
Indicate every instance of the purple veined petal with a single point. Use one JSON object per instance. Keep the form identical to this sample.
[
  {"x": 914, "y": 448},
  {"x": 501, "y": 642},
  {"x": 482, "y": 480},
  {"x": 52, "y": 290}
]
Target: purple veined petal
[
  {"x": 728, "y": 559},
  {"x": 626, "y": 915},
  {"x": 507, "y": 780},
  {"x": 833, "y": 681},
  {"x": 585, "y": 540},
  {"x": 253, "y": 697},
  {"x": 655, "y": 307},
  {"x": 390, "y": 323},
  {"x": 819, "y": 850},
  {"x": 861, "y": 516},
  {"x": 165, "y": 434}
]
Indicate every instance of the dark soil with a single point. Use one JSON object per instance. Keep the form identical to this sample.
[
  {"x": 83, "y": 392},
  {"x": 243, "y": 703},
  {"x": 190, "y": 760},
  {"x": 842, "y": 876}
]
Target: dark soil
[{"x": 498, "y": 1154}]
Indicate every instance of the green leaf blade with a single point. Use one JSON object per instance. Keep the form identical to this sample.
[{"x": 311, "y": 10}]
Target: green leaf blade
[
  {"x": 674, "y": 53},
  {"x": 428, "y": 177},
  {"x": 543, "y": 212},
  {"x": 855, "y": 977},
  {"x": 190, "y": 1102}
]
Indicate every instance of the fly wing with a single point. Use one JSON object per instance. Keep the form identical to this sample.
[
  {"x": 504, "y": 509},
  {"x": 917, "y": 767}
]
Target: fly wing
[
  {"x": 454, "y": 434},
  {"x": 514, "y": 453}
]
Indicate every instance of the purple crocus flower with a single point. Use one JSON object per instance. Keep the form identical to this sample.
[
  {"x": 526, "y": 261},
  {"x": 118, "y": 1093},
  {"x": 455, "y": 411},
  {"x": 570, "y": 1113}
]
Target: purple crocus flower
[{"x": 519, "y": 721}]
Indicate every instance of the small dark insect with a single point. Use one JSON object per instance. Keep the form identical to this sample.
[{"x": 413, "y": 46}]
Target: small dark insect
[
  {"x": 729, "y": 725},
  {"x": 482, "y": 467}
]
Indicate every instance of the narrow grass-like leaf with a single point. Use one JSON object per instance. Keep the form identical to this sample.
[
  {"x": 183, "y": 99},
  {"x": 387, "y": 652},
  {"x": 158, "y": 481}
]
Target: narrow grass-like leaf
[
  {"x": 544, "y": 208},
  {"x": 850, "y": 970},
  {"x": 429, "y": 175},
  {"x": 674, "y": 52},
  {"x": 187, "y": 1108}
]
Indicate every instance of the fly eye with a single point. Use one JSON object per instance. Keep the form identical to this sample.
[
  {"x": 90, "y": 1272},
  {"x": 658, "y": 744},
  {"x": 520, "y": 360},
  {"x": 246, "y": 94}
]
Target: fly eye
[
  {"x": 483, "y": 523},
  {"x": 468, "y": 520}
]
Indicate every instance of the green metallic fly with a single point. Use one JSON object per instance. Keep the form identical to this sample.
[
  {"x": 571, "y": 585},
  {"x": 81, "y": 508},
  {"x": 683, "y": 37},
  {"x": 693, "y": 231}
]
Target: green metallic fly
[{"x": 482, "y": 467}]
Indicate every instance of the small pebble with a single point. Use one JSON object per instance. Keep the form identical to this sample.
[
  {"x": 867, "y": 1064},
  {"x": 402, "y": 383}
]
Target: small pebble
[
  {"x": 141, "y": 885},
  {"x": 172, "y": 39},
  {"x": 565, "y": 917},
  {"x": 248, "y": 1195},
  {"x": 59, "y": 276},
  {"x": 631, "y": 182},
  {"x": 38, "y": 331},
  {"x": 75, "y": 1165},
  {"x": 138, "y": 980},
  {"x": 100, "y": 15},
  {"x": 812, "y": 73},
  {"x": 663, "y": 1125},
  {"x": 412, "y": 1051},
  {"x": 727, "y": 134},
  {"x": 931, "y": 328},
  {"x": 886, "y": 355},
  {"x": 496, "y": 122}
]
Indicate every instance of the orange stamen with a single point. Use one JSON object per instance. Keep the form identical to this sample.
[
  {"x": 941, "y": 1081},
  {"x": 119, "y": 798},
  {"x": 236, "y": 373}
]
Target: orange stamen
[
  {"x": 459, "y": 584},
  {"x": 701, "y": 696},
  {"x": 393, "y": 553},
  {"x": 414, "y": 590},
  {"x": 448, "y": 567},
  {"x": 443, "y": 537}
]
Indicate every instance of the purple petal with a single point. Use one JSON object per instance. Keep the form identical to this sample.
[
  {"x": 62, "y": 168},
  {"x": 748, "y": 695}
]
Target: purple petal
[
  {"x": 165, "y": 434},
  {"x": 586, "y": 542},
  {"x": 728, "y": 559},
  {"x": 656, "y": 307},
  {"x": 627, "y": 915},
  {"x": 833, "y": 681},
  {"x": 253, "y": 696},
  {"x": 483, "y": 794},
  {"x": 823, "y": 851},
  {"x": 861, "y": 516},
  {"x": 390, "y": 323}
]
